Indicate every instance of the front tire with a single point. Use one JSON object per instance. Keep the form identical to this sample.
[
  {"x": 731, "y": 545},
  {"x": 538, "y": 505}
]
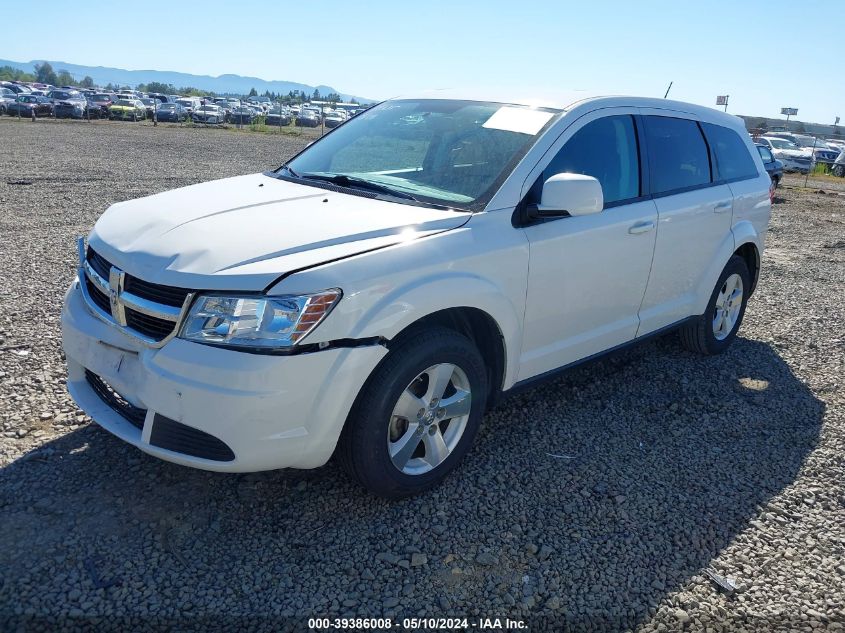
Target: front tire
[
  {"x": 417, "y": 415},
  {"x": 714, "y": 331}
]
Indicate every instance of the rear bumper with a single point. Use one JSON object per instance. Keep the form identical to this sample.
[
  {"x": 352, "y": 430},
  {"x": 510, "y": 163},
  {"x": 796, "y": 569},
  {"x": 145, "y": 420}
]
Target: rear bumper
[{"x": 270, "y": 411}]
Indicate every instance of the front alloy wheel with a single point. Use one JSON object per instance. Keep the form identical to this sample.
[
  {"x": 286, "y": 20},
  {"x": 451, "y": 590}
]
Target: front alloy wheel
[
  {"x": 429, "y": 419},
  {"x": 417, "y": 415}
]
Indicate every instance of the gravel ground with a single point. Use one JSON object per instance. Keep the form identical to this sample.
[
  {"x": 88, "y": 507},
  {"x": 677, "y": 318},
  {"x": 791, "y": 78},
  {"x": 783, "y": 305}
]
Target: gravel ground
[
  {"x": 825, "y": 183},
  {"x": 596, "y": 501}
]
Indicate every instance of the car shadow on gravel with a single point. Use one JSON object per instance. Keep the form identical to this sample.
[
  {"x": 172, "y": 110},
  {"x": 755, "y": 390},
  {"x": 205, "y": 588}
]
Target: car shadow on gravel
[{"x": 584, "y": 501}]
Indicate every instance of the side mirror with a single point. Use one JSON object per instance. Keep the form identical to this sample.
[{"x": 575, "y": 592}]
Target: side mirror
[{"x": 569, "y": 195}]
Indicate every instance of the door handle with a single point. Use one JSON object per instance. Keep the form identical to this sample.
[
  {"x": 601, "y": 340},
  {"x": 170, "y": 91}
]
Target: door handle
[
  {"x": 722, "y": 207},
  {"x": 641, "y": 227}
]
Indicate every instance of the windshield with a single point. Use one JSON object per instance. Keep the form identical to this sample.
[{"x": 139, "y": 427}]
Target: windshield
[
  {"x": 454, "y": 153},
  {"x": 125, "y": 102},
  {"x": 782, "y": 144},
  {"x": 806, "y": 141}
]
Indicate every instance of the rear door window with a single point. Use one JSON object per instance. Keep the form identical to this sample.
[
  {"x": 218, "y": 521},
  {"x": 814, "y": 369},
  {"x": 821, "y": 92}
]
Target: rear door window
[
  {"x": 677, "y": 154},
  {"x": 733, "y": 162}
]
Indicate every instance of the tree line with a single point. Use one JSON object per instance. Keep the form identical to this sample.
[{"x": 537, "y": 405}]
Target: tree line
[{"x": 45, "y": 74}]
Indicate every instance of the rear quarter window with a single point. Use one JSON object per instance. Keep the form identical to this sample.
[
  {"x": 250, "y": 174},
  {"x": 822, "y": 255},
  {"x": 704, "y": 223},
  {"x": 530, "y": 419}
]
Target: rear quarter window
[
  {"x": 677, "y": 154},
  {"x": 765, "y": 154},
  {"x": 733, "y": 162}
]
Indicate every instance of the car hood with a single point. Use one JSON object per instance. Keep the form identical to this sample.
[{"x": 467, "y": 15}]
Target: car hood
[
  {"x": 792, "y": 153},
  {"x": 242, "y": 233}
]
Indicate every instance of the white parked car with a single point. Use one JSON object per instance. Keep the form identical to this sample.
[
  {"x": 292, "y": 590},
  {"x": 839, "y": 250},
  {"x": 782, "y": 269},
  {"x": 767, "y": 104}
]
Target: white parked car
[
  {"x": 818, "y": 148},
  {"x": 838, "y": 168},
  {"x": 375, "y": 295},
  {"x": 189, "y": 103},
  {"x": 209, "y": 113},
  {"x": 838, "y": 144},
  {"x": 793, "y": 157}
]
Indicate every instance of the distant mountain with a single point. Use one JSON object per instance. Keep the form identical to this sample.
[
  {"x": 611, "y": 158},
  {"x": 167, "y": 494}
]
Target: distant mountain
[{"x": 234, "y": 84}]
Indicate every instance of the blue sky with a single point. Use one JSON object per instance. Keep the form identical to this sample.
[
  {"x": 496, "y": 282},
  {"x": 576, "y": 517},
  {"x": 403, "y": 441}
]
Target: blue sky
[{"x": 764, "y": 54}]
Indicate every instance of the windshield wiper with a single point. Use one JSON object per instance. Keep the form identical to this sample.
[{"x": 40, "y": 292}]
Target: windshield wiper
[
  {"x": 290, "y": 171},
  {"x": 357, "y": 183}
]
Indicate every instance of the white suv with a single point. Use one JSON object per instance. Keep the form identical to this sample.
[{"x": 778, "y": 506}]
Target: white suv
[{"x": 373, "y": 296}]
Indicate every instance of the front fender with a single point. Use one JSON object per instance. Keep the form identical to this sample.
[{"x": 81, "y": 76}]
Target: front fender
[
  {"x": 405, "y": 305},
  {"x": 482, "y": 265}
]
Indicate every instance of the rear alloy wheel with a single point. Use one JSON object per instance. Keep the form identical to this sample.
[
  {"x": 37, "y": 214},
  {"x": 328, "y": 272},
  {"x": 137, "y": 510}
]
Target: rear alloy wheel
[
  {"x": 839, "y": 170},
  {"x": 728, "y": 304},
  {"x": 417, "y": 415},
  {"x": 715, "y": 330}
]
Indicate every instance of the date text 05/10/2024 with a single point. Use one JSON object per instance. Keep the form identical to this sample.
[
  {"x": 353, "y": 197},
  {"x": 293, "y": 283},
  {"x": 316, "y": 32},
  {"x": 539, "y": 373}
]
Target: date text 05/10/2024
[{"x": 386, "y": 624}]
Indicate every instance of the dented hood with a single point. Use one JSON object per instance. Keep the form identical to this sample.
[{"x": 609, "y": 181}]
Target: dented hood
[{"x": 242, "y": 233}]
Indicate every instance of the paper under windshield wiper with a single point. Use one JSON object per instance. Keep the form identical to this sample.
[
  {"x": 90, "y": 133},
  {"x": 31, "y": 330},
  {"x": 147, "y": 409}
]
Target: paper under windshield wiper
[{"x": 357, "y": 183}]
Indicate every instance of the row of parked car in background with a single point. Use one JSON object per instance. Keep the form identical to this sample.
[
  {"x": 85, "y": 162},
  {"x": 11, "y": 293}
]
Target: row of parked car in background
[
  {"x": 17, "y": 99},
  {"x": 800, "y": 152},
  {"x": 780, "y": 150}
]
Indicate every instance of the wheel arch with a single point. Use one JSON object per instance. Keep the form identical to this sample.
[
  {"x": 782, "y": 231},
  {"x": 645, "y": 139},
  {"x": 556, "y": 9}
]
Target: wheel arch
[
  {"x": 748, "y": 244},
  {"x": 743, "y": 241},
  {"x": 478, "y": 326},
  {"x": 751, "y": 255}
]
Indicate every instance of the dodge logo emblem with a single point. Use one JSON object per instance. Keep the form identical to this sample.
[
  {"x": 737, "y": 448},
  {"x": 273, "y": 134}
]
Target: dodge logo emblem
[{"x": 116, "y": 279}]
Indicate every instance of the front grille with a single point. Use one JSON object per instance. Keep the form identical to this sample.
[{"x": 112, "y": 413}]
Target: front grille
[
  {"x": 168, "y": 295},
  {"x": 152, "y": 327},
  {"x": 97, "y": 296},
  {"x": 180, "y": 438},
  {"x": 98, "y": 263},
  {"x": 132, "y": 414}
]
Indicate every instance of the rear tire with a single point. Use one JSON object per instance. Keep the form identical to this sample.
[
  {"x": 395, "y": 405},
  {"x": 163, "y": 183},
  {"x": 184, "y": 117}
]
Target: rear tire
[
  {"x": 714, "y": 331},
  {"x": 839, "y": 170},
  {"x": 400, "y": 439}
]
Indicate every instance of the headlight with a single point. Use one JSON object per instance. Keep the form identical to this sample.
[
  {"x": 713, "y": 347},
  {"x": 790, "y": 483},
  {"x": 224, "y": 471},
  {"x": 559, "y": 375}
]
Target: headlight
[{"x": 265, "y": 322}]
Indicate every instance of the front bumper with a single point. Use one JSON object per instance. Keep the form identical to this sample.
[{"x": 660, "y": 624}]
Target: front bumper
[
  {"x": 270, "y": 411},
  {"x": 65, "y": 112},
  {"x": 795, "y": 165}
]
